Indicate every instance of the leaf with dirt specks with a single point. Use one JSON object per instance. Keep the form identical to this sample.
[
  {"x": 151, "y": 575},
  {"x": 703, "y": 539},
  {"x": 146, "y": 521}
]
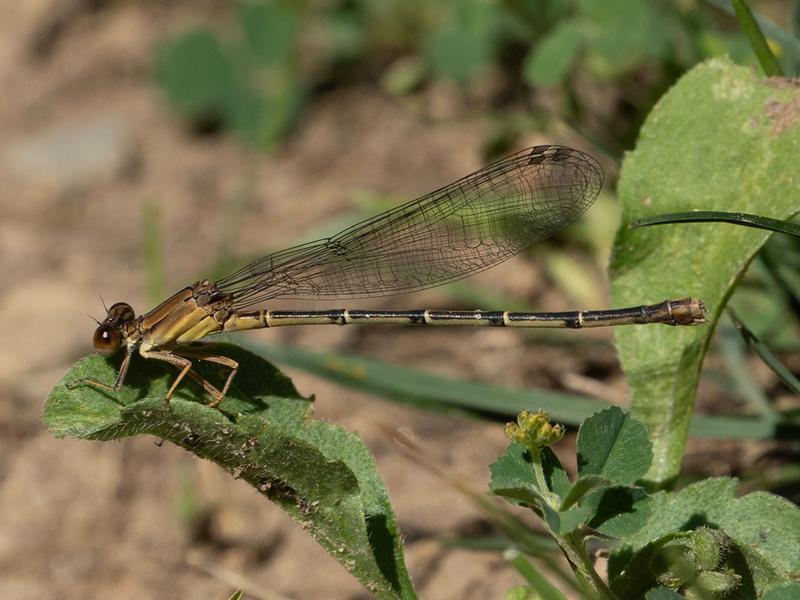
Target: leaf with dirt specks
[
  {"x": 320, "y": 474},
  {"x": 723, "y": 138}
]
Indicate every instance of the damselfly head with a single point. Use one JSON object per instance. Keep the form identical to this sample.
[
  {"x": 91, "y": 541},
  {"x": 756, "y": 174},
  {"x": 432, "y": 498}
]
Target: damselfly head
[
  {"x": 108, "y": 337},
  {"x": 120, "y": 312}
]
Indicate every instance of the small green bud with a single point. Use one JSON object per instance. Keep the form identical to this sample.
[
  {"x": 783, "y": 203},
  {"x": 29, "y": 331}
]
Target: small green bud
[
  {"x": 709, "y": 547},
  {"x": 717, "y": 582},
  {"x": 534, "y": 430},
  {"x": 681, "y": 572},
  {"x": 713, "y": 584}
]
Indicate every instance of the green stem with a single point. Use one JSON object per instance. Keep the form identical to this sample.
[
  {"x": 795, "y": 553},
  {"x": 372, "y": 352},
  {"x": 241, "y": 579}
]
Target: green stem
[
  {"x": 538, "y": 472},
  {"x": 572, "y": 544}
]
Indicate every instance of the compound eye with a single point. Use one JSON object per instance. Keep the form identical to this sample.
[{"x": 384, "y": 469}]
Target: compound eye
[{"x": 107, "y": 340}]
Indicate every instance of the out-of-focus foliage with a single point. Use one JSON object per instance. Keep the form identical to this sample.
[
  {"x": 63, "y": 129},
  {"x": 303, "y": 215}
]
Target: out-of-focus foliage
[
  {"x": 248, "y": 83},
  {"x": 253, "y": 73}
]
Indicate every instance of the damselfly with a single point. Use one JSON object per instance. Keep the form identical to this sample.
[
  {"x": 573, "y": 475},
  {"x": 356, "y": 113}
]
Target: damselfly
[{"x": 451, "y": 233}]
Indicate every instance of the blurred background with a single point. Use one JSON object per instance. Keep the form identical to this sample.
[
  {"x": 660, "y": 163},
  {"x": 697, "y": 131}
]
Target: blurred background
[{"x": 149, "y": 144}]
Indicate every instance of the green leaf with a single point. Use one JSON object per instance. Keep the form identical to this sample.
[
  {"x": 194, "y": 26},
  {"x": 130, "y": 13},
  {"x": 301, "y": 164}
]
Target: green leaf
[
  {"x": 514, "y": 469},
  {"x": 345, "y": 35},
  {"x": 582, "y": 486},
  {"x": 620, "y": 35},
  {"x": 321, "y": 475},
  {"x": 555, "y": 475},
  {"x": 464, "y": 44},
  {"x": 618, "y": 511},
  {"x": 550, "y": 60},
  {"x": 611, "y": 510},
  {"x": 512, "y": 477},
  {"x": 403, "y": 76},
  {"x": 523, "y": 494},
  {"x": 271, "y": 29},
  {"x": 251, "y": 85},
  {"x": 789, "y": 591},
  {"x": 571, "y": 519},
  {"x": 643, "y": 568},
  {"x": 662, "y": 593},
  {"x": 765, "y": 528},
  {"x": 262, "y": 116},
  {"x": 720, "y": 139},
  {"x": 195, "y": 73},
  {"x": 457, "y": 53},
  {"x": 613, "y": 444},
  {"x": 615, "y": 511}
]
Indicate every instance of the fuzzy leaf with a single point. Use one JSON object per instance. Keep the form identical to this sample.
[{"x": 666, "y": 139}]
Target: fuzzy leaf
[
  {"x": 514, "y": 469},
  {"x": 320, "y": 474},
  {"x": 765, "y": 528},
  {"x": 613, "y": 444},
  {"x": 721, "y": 139}
]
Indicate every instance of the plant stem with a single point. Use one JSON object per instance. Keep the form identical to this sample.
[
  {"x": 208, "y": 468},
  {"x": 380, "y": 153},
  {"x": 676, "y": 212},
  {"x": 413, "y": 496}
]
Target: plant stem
[
  {"x": 538, "y": 472},
  {"x": 572, "y": 544}
]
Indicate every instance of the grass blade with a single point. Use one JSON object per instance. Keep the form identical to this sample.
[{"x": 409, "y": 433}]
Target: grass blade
[
  {"x": 410, "y": 386},
  {"x": 769, "y": 64},
  {"x": 734, "y": 356},
  {"x": 715, "y": 216},
  {"x": 765, "y": 354},
  {"x": 152, "y": 252},
  {"x": 429, "y": 391},
  {"x": 540, "y": 585},
  {"x": 783, "y": 276},
  {"x": 789, "y": 43}
]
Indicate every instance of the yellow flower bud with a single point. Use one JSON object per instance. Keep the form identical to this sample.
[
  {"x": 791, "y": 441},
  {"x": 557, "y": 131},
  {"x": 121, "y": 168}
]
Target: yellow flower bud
[{"x": 534, "y": 430}]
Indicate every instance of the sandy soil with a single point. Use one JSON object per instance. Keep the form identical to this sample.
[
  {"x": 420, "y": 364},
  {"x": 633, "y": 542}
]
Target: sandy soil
[{"x": 88, "y": 142}]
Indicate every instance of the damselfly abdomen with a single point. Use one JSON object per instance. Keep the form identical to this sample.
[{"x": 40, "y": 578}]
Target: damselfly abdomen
[{"x": 466, "y": 227}]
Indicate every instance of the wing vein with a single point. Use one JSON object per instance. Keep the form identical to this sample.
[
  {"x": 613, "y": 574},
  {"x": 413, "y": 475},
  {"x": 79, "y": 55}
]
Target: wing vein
[{"x": 456, "y": 231}]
